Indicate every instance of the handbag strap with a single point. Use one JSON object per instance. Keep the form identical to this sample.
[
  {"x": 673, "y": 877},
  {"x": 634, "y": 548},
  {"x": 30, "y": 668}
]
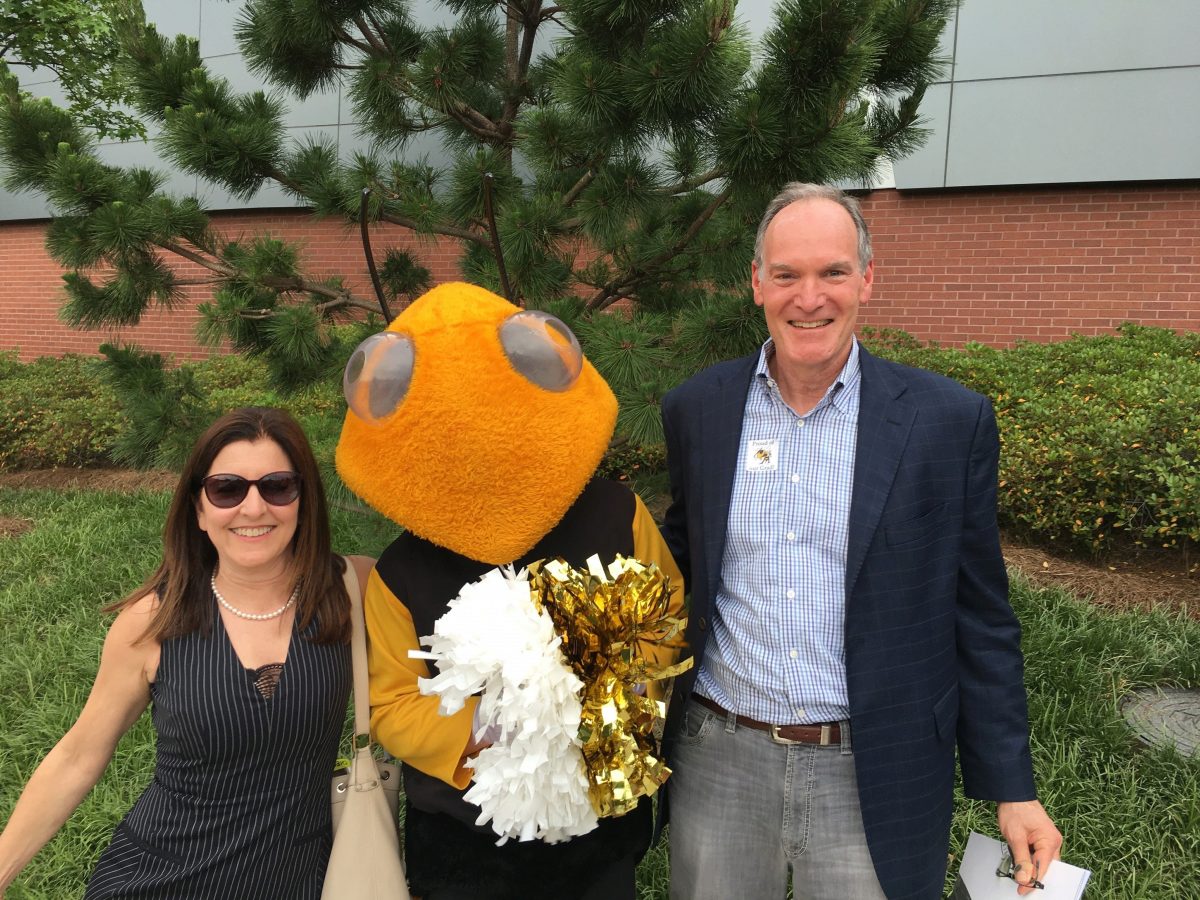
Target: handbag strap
[{"x": 358, "y": 652}]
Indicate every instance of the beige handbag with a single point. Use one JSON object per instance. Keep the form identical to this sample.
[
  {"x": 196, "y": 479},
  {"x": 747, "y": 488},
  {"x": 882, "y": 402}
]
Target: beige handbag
[{"x": 365, "y": 862}]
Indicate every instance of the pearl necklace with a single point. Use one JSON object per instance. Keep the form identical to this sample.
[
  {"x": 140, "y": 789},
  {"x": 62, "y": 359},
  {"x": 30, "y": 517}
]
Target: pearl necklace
[{"x": 257, "y": 617}]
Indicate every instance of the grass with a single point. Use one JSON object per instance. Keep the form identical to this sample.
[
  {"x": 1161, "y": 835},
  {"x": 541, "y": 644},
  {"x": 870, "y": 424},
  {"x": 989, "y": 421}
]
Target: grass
[{"x": 1130, "y": 813}]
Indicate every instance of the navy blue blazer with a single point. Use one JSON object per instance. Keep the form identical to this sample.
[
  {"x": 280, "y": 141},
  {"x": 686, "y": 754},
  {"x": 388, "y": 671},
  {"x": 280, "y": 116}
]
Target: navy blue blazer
[{"x": 932, "y": 646}]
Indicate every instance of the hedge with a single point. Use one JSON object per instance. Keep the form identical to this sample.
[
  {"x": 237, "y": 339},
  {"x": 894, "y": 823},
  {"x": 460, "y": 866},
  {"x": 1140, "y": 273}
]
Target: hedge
[{"x": 1098, "y": 433}]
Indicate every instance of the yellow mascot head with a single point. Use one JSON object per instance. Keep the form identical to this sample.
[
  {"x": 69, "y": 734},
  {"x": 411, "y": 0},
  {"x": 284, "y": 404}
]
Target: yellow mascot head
[{"x": 473, "y": 423}]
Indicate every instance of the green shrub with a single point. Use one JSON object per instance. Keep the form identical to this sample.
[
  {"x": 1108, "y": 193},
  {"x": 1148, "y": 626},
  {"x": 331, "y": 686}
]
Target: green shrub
[
  {"x": 83, "y": 411},
  {"x": 1098, "y": 434},
  {"x": 625, "y": 461},
  {"x": 55, "y": 412}
]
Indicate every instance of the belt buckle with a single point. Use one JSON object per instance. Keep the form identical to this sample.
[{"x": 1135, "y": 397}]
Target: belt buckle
[
  {"x": 780, "y": 739},
  {"x": 826, "y": 736}
]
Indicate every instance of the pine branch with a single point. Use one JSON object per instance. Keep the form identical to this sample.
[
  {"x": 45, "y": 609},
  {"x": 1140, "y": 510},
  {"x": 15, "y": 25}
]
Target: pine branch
[
  {"x": 448, "y": 230},
  {"x": 280, "y": 177},
  {"x": 578, "y": 187},
  {"x": 621, "y": 287},
  {"x": 520, "y": 32},
  {"x": 354, "y": 42},
  {"x": 379, "y": 29},
  {"x": 476, "y": 122},
  {"x": 220, "y": 268},
  {"x": 372, "y": 38},
  {"x": 512, "y": 66},
  {"x": 347, "y": 299},
  {"x": 533, "y": 18},
  {"x": 690, "y": 184},
  {"x": 469, "y": 118},
  {"x": 338, "y": 297},
  {"x": 512, "y": 34}
]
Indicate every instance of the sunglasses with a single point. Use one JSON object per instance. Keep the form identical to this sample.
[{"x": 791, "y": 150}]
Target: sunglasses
[{"x": 227, "y": 491}]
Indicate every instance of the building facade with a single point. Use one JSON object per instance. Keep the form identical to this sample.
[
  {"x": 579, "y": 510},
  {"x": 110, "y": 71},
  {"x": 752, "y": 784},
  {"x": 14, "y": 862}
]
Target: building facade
[{"x": 1058, "y": 193}]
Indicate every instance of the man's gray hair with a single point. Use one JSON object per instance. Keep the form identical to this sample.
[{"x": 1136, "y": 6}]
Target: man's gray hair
[{"x": 795, "y": 191}]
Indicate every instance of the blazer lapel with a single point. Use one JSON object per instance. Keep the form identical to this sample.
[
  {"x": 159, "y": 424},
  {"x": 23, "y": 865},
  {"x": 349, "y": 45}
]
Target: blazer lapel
[
  {"x": 721, "y": 424},
  {"x": 885, "y": 419}
]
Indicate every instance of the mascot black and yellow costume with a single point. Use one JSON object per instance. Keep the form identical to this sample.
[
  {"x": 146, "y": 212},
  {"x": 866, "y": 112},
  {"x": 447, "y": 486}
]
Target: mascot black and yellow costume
[{"x": 478, "y": 426}]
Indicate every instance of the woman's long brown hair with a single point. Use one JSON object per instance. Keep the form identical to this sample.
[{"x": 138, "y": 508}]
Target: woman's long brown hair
[{"x": 182, "y": 578}]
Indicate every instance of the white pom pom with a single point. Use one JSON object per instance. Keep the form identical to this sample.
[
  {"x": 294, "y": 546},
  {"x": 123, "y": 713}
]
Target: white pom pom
[{"x": 531, "y": 782}]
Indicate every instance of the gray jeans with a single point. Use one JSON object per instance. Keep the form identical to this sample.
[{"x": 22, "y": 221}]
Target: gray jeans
[{"x": 745, "y": 811}]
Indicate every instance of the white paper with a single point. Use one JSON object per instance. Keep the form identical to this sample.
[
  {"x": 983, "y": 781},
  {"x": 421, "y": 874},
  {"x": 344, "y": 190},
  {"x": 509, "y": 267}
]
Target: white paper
[{"x": 977, "y": 875}]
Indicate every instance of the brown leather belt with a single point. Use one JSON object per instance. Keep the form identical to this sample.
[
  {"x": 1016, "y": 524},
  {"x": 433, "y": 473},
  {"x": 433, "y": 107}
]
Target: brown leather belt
[{"x": 824, "y": 734}]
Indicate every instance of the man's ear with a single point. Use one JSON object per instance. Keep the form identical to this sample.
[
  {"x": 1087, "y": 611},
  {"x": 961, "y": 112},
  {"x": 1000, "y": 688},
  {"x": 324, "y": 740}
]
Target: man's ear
[
  {"x": 868, "y": 282},
  {"x": 754, "y": 284}
]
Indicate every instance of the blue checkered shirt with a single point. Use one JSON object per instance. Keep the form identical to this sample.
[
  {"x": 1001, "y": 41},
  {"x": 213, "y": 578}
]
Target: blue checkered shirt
[{"x": 776, "y": 652}]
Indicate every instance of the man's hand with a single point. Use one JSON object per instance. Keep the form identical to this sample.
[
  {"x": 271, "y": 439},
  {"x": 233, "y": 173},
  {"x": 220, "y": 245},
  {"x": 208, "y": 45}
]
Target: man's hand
[{"x": 1028, "y": 830}]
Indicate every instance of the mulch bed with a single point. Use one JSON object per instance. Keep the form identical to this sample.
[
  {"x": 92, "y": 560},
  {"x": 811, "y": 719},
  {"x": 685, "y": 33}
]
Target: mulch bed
[
  {"x": 1137, "y": 581},
  {"x": 116, "y": 480}
]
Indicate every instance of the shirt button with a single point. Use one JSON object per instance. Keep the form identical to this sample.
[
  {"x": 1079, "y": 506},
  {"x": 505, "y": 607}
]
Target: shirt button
[
  {"x": 799, "y": 713},
  {"x": 794, "y": 654},
  {"x": 791, "y": 535},
  {"x": 799, "y": 423},
  {"x": 791, "y": 595},
  {"x": 795, "y": 479}
]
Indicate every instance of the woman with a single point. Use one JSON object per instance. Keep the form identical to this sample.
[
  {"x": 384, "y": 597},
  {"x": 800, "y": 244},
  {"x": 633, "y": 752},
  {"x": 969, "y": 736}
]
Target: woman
[{"x": 240, "y": 640}]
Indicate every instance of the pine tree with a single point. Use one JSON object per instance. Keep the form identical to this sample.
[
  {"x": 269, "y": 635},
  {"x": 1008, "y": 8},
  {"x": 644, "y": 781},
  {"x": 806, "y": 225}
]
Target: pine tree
[{"x": 626, "y": 148}]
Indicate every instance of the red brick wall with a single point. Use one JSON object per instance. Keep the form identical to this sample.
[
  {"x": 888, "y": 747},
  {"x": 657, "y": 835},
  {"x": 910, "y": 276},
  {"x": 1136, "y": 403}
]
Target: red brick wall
[
  {"x": 1035, "y": 263},
  {"x": 993, "y": 266},
  {"x": 32, "y": 282}
]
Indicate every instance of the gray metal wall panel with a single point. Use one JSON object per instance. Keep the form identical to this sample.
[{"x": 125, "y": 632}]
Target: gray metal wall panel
[
  {"x": 1005, "y": 38},
  {"x": 317, "y": 110},
  {"x": 424, "y": 147},
  {"x": 1110, "y": 126},
  {"x": 144, "y": 155},
  {"x": 926, "y": 167},
  {"x": 172, "y": 17},
  {"x": 1018, "y": 130},
  {"x": 217, "y": 20},
  {"x": 42, "y": 84},
  {"x": 25, "y": 205}
]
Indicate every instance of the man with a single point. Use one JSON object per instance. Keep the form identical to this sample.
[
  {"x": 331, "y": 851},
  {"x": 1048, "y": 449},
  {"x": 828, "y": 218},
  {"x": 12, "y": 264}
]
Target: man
[{"x": 835, "y": 515}]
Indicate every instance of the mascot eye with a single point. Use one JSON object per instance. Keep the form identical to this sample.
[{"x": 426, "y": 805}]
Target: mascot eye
[
  {"x": 542, "y": 349},
  {"x": 378, "y": 375}
]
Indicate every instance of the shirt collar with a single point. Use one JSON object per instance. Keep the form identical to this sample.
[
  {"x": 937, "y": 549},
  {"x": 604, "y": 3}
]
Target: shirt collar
[{"x": 837, "y": 395}]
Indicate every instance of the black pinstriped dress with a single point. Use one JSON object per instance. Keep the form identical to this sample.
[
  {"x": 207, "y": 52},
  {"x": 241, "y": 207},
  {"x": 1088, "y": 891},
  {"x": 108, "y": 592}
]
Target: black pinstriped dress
[{"x": 239, "y": 803}]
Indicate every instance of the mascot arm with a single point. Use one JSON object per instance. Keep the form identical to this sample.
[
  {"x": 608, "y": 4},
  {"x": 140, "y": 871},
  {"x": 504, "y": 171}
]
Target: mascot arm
[
  {"x": 649, "y": 547},
  {"x": 404, "y": 721}
]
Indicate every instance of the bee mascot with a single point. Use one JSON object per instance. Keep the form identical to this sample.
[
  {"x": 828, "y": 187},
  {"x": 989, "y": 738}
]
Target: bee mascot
[{"x": 477, "y": 427}]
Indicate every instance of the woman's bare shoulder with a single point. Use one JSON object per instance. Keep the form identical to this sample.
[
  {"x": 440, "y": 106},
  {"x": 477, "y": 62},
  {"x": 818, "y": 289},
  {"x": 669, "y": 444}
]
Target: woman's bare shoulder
[{"x": 129, "y": 636}]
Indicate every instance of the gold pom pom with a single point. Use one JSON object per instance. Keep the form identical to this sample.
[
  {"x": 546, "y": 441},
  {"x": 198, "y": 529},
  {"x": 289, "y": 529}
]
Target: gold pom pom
[{"x": 605, "y": 621}]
